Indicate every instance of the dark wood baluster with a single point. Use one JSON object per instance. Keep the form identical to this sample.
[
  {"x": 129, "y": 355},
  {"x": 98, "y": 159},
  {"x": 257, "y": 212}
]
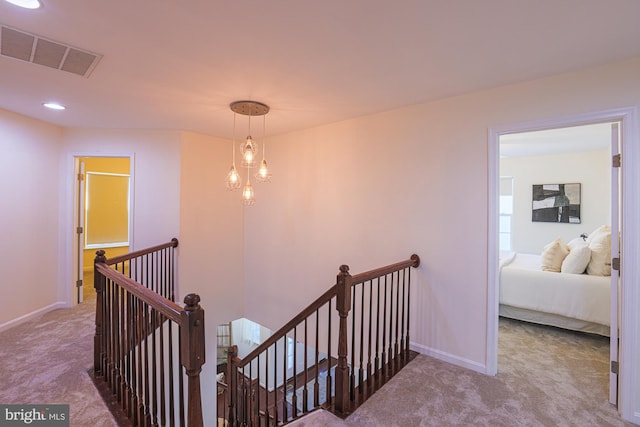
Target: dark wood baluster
[
  {"x": 305, "y": 397},
  {"x": 384, "y": 334},
  {"x": 165, "y": 273},
  {"x": 145, "y": 359},
  {"x": 361, "y": 367},
  {"x": 275, "y": 383},
  {"x": 408, "y": 341},
  {"x": 162, "y": 367},
  {"x": 266, "y": 386},
  {"x": 402, "y": 327},
  {"x": 294, "y": 398},
  {"x": 316, "y": 385},
  {"x": 181, "y": 393},
  {"x": 154, "y": 367},
  {"x": 112, "y": 335},
  {"x": 377, "y": 358},
  {"x": 119, "y": 347},
  {"x": 369, "y": 369},
  {"x": 328, "y": 395},
  {"x": 395, "y": 352},
  {"x": 390, "y": 350},
  {"x": 140, "y": 341},
  {"x": 285, "y": 356},
  {"x": 352, "y": 375},
  {"x": 172, "y": 401},
  {"x": 134, "y": 355},
  {"x": 245, "y": 397},
  {"x": 128, "y": 355}
]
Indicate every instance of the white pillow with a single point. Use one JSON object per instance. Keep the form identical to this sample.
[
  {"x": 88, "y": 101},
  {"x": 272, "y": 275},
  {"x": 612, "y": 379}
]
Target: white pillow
[
  {"x": 600, "y": 263},
  {"x": 575, "y": 243},
  {"x": 577, "y": 260},
  {"x": 553, "y": 255}
]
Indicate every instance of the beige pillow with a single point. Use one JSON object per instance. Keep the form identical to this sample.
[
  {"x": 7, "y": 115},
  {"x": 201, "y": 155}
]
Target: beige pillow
[
  {"x": 603, "y": 229},
  {"x": 577, "y": 260},
  {"x": 600, "y": 263},
  {"x": 553, "y": 254}
]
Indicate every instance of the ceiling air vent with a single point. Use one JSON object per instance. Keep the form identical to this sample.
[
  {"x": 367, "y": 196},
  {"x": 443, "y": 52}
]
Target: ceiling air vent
[{"x": 38, "y": 50}]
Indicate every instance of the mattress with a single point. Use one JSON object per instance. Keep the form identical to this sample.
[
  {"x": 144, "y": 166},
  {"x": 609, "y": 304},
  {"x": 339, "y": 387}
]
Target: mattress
[{"x": 524, "y": 286}]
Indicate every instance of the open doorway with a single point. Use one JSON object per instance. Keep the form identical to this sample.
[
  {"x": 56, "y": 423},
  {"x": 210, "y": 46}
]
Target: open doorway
[
  {"x": 629, "y": 273},
  {"x": 556, "y": 211},
  {"x": 102, "y": 215}
]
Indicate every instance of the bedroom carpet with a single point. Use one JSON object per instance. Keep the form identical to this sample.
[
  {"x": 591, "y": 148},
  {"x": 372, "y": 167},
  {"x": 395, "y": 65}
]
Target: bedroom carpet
[{"x": 547, "y": 377}]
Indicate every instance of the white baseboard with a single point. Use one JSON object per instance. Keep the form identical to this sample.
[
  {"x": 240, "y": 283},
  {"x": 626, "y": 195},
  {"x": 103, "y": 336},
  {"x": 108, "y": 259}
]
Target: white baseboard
[
  {"x": 29, "y": 316},
  {"x": 449, "y": 358}
]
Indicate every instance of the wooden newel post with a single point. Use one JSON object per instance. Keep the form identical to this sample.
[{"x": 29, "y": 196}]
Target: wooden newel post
[
  {"x": 343, "y": 305},
  {"x": 98, "y": 284},
  {"x": 193, "y": 357}
]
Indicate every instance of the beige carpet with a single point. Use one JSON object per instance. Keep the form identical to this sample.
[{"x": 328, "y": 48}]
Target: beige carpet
[
  {"x": 46, "y": 361},
  {"x": 547, "y": 377}
]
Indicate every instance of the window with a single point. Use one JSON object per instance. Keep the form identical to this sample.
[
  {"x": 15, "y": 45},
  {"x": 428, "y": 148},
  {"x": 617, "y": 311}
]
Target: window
[
  {"x": 107, "y": 210},
  {"x": 506, "y": 212}
]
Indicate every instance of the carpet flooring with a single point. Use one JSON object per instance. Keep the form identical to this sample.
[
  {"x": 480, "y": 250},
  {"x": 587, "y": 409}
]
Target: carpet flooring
[
  {"x": 547, "y": 377},
  {"x": 46, "y": 361}
]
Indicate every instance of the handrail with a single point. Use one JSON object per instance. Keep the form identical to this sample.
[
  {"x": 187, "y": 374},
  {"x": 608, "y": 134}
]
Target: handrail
[
  {"x": 290, "y": 324},
  {"x": 163, "y": 305},
  {"x": 414, "y": 261},
  {"x": 121, "y": 258}
]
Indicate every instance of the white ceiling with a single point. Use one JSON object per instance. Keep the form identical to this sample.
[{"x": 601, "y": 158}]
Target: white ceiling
[
  {"x": 172, "y": 64},
  {"x": 555, "y": 141}
]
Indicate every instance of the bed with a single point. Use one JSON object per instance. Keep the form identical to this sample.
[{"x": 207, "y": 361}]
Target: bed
[{"x": 577, "y": 302}]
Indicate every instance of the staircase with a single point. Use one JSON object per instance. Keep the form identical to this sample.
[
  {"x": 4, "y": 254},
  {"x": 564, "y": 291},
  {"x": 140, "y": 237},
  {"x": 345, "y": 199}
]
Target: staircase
[
  {"x": 334, "y": 354},
  {"x": 149, "y": 351}
]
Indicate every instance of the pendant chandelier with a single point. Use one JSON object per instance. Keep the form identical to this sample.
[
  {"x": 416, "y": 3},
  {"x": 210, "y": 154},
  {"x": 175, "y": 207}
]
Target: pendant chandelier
[{"x": 248, "y": 151}]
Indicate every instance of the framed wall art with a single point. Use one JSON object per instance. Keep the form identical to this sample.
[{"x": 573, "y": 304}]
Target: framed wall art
[{"x": 556, "y": 203}]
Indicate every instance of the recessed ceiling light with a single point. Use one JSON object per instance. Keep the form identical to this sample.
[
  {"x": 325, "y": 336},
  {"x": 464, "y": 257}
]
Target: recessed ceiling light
[
  {"x": 27, "y": 4},
  {"x": 54, "y": 106}
]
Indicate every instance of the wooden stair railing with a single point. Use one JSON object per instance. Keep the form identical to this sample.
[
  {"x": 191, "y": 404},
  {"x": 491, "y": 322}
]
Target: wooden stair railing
[
  {"x": 320, "y": 360},
  {"x": 145, "y": 344}
]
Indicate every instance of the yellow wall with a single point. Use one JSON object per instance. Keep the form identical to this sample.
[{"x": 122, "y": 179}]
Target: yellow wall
[{"x": 117, "y": 165}]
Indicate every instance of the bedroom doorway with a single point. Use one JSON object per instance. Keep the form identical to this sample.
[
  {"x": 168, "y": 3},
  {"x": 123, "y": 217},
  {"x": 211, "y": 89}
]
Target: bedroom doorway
[
  {"x": 535, "y": 141},
  {"x": 102, "y": 215}
]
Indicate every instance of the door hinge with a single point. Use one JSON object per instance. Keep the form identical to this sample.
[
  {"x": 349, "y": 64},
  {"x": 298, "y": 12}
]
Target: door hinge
[
  {"x": 78, "y": 283},
  {"x": 615, "y": 263},
  {"x": 617, "y": 161},
  {"x": 615, "y": 366},
  {"x": 80, "y": 177},
  {"x": 79, "y": 230}
]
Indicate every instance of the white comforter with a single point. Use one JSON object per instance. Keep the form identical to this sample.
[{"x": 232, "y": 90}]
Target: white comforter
[{"x": 523, "y": 284}]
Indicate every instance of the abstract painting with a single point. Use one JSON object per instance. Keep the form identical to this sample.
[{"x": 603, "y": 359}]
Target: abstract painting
[{"x": 556, "y": 203}]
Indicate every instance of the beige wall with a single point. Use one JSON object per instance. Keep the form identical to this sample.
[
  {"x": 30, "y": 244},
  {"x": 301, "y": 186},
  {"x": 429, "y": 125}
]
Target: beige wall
[
  {"x": 211, "y": 246},
  {"x": 29, "y": 218},
  {"x": 373, "y": 190},
  {"x": 591, "y": 169}
]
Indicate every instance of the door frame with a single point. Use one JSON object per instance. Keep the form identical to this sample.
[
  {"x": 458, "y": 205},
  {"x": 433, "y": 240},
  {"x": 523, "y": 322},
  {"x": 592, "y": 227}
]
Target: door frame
[
  {"x": 629, "y": 377},
  {"x": 74, "y": 205}
]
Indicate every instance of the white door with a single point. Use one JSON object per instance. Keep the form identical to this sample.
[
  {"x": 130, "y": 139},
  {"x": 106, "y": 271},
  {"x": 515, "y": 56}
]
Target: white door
[
  {"x": 615, "y": 255},
  {"x": 80, "y": 231}
]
